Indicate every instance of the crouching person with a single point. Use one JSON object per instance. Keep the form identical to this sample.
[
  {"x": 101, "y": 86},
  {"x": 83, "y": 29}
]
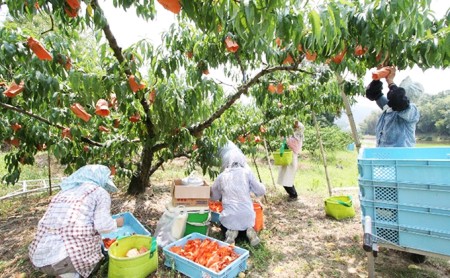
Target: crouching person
[
  {"x": 234, "y": 187},
  {"x": 67, "y": 241}
]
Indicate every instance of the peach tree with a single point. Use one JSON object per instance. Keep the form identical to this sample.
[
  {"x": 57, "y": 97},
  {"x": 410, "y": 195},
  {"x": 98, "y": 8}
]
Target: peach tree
[{"x": 67, "y": 86}]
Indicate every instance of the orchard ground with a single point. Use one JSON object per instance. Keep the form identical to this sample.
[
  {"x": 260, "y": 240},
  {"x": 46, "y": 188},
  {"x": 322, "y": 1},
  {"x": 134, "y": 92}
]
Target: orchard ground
[{"x": 299, "y": 240}]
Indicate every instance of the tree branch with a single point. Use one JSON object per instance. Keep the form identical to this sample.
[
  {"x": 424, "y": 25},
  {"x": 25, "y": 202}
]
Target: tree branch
[
  {"x": 243, "y": 89},
  {"x": 111, "y": 38},
  {"x": 119, "y": 56},
  {"x": 160, "y": 161},
  {"x": 41, "y": 119},
  {"x": 53, "y": 24}
]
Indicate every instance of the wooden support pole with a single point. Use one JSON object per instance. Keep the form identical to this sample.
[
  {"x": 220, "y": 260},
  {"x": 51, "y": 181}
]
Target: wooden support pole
[
  {"x": 268, "y": 162},
  {"x": 348, "y": 110},
  {"x": 322, "y": 151}
]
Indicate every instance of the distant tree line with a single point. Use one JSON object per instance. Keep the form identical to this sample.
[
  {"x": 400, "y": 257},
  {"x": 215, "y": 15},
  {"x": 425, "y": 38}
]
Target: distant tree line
[{"x": 434, "y": 115}]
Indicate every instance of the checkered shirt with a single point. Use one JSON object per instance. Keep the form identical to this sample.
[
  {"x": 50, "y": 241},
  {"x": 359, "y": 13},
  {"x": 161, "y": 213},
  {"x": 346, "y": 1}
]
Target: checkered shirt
[{"x": 72, "y": 226}]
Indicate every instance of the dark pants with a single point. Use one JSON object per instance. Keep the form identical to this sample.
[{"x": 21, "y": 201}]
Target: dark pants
[
  {"x": 291, "y": 191},
  {"x": 64, "y": 266},
  {"x": 242, "y": 235}
]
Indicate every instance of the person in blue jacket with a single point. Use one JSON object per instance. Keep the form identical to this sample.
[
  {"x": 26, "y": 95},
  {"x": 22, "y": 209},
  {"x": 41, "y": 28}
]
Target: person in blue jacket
[{"x": 396, "y": 126}]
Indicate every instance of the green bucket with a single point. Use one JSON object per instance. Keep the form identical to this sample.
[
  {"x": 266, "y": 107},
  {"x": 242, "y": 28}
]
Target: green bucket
[
  {"x": 339, "y": 207},
  {"x": 197, "y": 222},
  {"x": 138, "y": 267}
]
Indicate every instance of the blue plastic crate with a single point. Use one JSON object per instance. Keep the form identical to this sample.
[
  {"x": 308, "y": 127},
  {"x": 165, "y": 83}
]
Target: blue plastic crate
[
  {"x": 423, "y": 218},
  {"x": 413, "y": 194},
  {"x": 434, "y": 153},
  {"x": 195, "y": 270},
  {"x": 130, "y": 227},
  {"x": 433, "y": 242},
  {"x": 408, "y": 165}
]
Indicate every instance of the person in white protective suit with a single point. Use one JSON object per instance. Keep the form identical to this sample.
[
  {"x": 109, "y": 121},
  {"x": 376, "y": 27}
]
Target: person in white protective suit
[
  {"x": 286, "y": 174},
  {"x": 234, "y": 187}
]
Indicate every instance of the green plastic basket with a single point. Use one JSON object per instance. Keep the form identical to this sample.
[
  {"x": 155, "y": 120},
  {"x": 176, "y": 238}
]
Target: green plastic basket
[
  {"x": 282, "y": 159},
  {"x": 197, "y": 222},
  {"x": 339, "y": 207},
  {"x": 141, "y": 266}
]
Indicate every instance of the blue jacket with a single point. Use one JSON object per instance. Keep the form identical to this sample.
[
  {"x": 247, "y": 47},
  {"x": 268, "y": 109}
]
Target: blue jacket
[{"x": 396, "y": 128}]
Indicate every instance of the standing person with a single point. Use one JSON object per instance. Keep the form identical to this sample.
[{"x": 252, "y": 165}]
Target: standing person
[
  {"x": 234, "y": 187},
  {"x": 286, "y": 174},
  {"x": 67, "y": 241},
  {"x": 396, "y": 126}
]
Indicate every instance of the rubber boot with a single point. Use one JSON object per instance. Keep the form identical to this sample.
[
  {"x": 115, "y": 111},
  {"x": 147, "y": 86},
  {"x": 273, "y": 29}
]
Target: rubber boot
[
  {"x": 230, "y": 236},
  {"x": 292, "y": 192},
  {"x": 253, "y": 236}
]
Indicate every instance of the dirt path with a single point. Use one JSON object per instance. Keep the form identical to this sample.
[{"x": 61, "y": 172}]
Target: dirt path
[{"x": 298, "y": 240}]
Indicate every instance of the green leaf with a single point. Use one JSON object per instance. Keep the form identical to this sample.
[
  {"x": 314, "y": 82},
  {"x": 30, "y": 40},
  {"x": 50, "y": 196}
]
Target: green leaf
[{"x": 315, "y": 21}]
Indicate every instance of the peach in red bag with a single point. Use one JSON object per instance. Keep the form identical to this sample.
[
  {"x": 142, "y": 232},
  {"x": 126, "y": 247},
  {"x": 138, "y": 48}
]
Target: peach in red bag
[
  {"x": 102, "y": 108},
  {"x": 231, "y": 45},
  {"x": 38, "y": 49},
  {"x": 14, "y": 89},
  {"x": 79, "y": 111},
  {"x": 381, "y": 73},
  {"x": 171, "y": 5}
]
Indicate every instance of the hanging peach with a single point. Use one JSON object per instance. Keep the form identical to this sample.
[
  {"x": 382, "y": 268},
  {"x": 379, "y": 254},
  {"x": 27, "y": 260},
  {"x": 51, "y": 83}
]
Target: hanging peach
[
  {"x": 280, "y": 88},
  {"x": 79, "y": 111},
  {"x": 152, "y": 96},
  {"x": 66, "y": 133},
  {"x": 14, "y": 89},
  {"x": 310, "y": 56},
  {"x": 271, "y": 88},
  {"x": 231, "y": 45},
  {"x": 171, "y": 5},
  {"x": 359, "y": 50},
  {"x": 38, "y": 49},
  {"x": 116, "y": 123},
  {"x": 288, "y": 60},
  {"x": 134, "y": 85},
  {"x": 74, "y": 4},
  {"x": 15, "y": 127},
  {"x": 102, "y": 108},
  {"x": 135, "y": 118},
  {"x": 103, "y": 129}
]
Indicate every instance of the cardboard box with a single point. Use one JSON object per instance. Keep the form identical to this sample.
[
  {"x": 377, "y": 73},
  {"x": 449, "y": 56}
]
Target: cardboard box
[{"x": 186, "y": 195}]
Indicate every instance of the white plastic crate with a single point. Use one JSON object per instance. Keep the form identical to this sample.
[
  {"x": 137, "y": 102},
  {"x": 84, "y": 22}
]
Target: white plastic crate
[{"x": 195, "y": 270}]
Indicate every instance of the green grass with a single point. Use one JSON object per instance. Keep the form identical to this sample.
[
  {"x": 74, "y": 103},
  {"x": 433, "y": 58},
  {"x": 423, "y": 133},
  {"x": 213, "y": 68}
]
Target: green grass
[{"x": 310, "y": 177}]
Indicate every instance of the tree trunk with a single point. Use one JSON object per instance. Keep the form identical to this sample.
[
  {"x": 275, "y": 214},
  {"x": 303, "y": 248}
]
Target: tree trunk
[{"x": 141, "y": 178}]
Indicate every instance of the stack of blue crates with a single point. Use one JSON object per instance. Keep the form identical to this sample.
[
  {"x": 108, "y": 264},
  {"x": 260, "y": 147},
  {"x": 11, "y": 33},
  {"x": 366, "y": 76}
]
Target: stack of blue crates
[{"x": 406, "y": 192}]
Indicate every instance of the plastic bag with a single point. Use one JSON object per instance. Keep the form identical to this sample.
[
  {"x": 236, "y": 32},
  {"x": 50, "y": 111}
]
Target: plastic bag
[
  {"x": 194, "y": 179},
  {"x": 171, "y": 226}
]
